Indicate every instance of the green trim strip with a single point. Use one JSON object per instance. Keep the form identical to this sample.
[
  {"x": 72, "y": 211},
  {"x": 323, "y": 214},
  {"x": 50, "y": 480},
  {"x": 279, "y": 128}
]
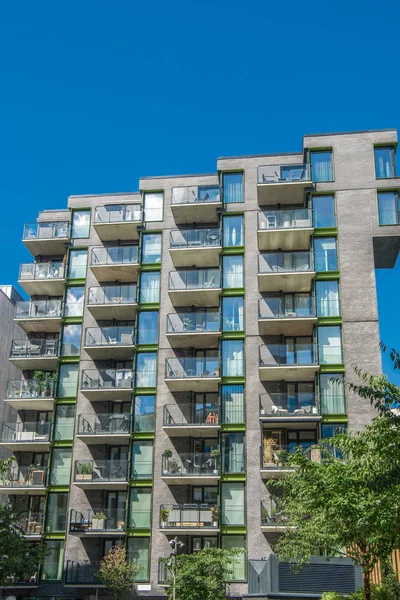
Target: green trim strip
[
  {"x": 65, "y": 400},
  {"x": 332, "y": 369},
  {"x": 228, "y": 335},
  {"x": 58, "y": 488},
  {"x": 325, "y": 231},
  {"x": 68, "y": 359},
  {"x": 227, "y": 529},
  {"x": 141, "y": 483},
  {"x": 149, "y": 391},
  {"x": 72, "y": 320},
  {"x": 54, "y": 536},
  {"x": 233, "y": 477},
  {"x": 140, "y": 533},
  {"x": 327, "y": 275},
  {"x": 232, "y": 292},
  {"x": 233, "y": 380},
  {"x": 148, "y": 306},
  {"x": 329, "y": 320},
  {"x": 334, "y": 419},
  {"x": 232, "y": 250},
  {"x": 62, "y": 443},
  {"x": 79, "y": 281},
  {"x": 150, "y": 267},
  {"x": 143, "y": 435},
  {"x": 233, "y": 427},
  {"x": 147, "y": 348}
]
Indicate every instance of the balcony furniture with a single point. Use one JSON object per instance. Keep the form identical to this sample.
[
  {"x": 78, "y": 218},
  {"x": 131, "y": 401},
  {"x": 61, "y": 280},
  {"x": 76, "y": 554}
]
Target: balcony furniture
[
  {"x": 209, "y": 284},
  {"x": 126, "y": 339},
  {"x": 277, "y": 410},
  {"x": 112, "y": 340},
  {"x": 212, "y": 418},
  {"x": 50, "y": 347},
  {"x": 34, "y": 349}
]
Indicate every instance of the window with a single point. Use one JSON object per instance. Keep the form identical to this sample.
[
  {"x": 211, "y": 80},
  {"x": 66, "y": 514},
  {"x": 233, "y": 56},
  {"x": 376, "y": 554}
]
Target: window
[
  {"x": 68, "y": 381},
  {"x": 56, "y": 518},
  {"x": 328, "y": 304},
  {"x": 323, "y": 211},
  {"x": 233, "y": 231},
  {"x": 52, "y": 567},
  {"x": 325, "y": 254},
  {"x": 71, "y": 340},
  {"x": 321, "y": 165},
  {"x": 61, "y": 466},
  {"x": 139, "y": 550},
  {"x": 233, "y": 187},
  {"x": 330, "y": 345},
  {"x": 332, "y": 429},
  {"x": 232, "y": 314},
  {"x": 142, "y": 459},
  {"x": 232, "y": 503},
  {"x": 385, "y": 163},
  {"x": 148, "y": 327},
  {"x": 74, "y": 300},
  {"x": 144, "y": 413},
  {"x": 232, "y": 403},
  {"x": 140, "y": 507},
  {"x": 77, "y": 264},
  {"x": 238, "y": 567},
  {"x": 232, "y": 358},
  {"x": 64, "y": 422},
  {"x": 389, "y": 208},
  {"x": 146, "y": 369},
  {"x": 232, "y": 452},
  {"x": 332, "y": 394},
  {"x": 151, "y": 248},
  {"x": 149, "y": 287},
  {"x": 232, "y": 272},
  {"x": 80, "y": 224},
  {"x": 153, "y": 206}
]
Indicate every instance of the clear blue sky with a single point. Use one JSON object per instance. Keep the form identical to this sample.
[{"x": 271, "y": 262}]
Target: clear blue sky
[{"x": 96, "y": 93}]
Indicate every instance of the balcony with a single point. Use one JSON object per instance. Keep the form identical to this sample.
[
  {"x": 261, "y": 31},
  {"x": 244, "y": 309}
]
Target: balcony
[
  {"x": 285, "y": 229},
  {"x": 195, "y": 247},
  {"x": 190, "y": 468},
  {"x": 101, "y": 474},
  {"x": 199, "y": 329},
  {"x": 26, "y": 436},
  {"x": 46, "y": 238},
  {"x": 288, "y": 362},
  {"x": 287, "y": 315},
  {"x": 107, "y": 384},
  {"x": 82, "y": 574},
  {"x": 273, "y": 520},
  {"x": 29, "y": 480},
  {"x": 110, "y": 342},
  {"x": 43, "y": 316},
  {"x": 117, "y": 221},
  {"x": 113, "y": 302},
  {"x": 35, "y": 354},
  {"x": 189, "y": 518},
  {"x": 25, "y": 394},
  {"x": 192, "y": 287},
  {"x": 31, "y": 524},
  {"x": 103, "y": 428},
  {"x": 118, "y": 263},
  {"x": 98, "y": 522},
  {"x": 43, "y": 279},
  {"x": 285, "y": 271},
  {"x": 283, "y": 184},
  {"x": 284, "y": 407},
  {"x": 184, "y": 420},
  {"x": 274, "y": 464},
  {"x": 192, "y": 374},
  {"x": 196, "y": 204}
]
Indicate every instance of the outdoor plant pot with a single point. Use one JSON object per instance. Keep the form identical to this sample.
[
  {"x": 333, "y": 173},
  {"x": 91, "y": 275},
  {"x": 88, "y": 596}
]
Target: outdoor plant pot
[
  {"x": 215, "y": 523},
  {"x": 215, "y": 471},
  {"x": 163, "y": 523},
  {"x": 120, "y": 524},
  {"x": 98, "y": 523},
  {"x": 83, "y": 477}
]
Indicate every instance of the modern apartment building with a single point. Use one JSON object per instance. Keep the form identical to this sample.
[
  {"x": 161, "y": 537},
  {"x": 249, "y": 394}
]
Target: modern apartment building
[{"x": 177, "y": 337}]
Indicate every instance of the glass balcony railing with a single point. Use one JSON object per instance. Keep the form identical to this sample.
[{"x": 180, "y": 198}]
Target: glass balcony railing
[
  {"x": 110, "y": 336},
  {"x": 195, "y": 415},
  {"x": 285, "y": 219},
  {"x": 195, "y": 238},
  {"x": 118, "y": 213},
  {"x": 194, "y": 322},
  {"x": 275, "y": 355},
  {"x": 29, "y": 388},
  {"x": 199, "y": 279},
  {"x": 190, "y": 464},
  {"x": 116, "y": 255},
  {"x": 81, "y": 573},
  {"x": 46, "y": 230},
  {"x": 39, "y": 309},
  {"x": 285, "y": 262},
  {"x": 24, "y": 477},
  {"x": 38, "y": 271},
  {"x": 38, "y": 431},
  {"x": 284, "y": 173},
  {"x": 287, "y": 307},
  {"x": 274, "y": 455},
  {"x": 196, "y": 194},
  {"x": 31, "y": 523},
  {"x": 112, "y": 294},
  {"x": 101, "y": 520},
  {"x": 188, "y": 516},
  {"x": 273, "y": 516},
  {"x": 34, "y": 348},
  {"x": 100, "y": 470},
  {"x": 281, "y": 404},
  {"x": 93, "y": 379},
  {"x": 104, "y": 424},
  {"x": 178, "y": 368}
]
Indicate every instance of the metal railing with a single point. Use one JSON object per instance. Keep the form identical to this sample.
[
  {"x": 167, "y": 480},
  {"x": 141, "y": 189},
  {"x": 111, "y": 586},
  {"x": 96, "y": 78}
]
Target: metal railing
[
  {"x": 285, "y": 262},
  {"x": 205, "y": 367},
  {"x": 287, "y": 307},
  {"x": 93, "y": 379},
  {"x": 115, "y": 255},
  {"x": 26, "y": 432},
  {"x": 110, "y": 336},
  {"x": 272, "y": 355},
  {"x": 195, "y": 238},
  {"x": 283, "y": 173},
  {"x": 29, "y": 388},
  {"x": 281, "y": 404},
  {"x": 101, "y": 519},
  {"x": 104, "y": 423},
  {"x": 118, "y": 213},
  {"x": 194, "y": 322},
  {"x": 100, "y": 470},
  {"x": 53, "y": 269},
  {"x": 285, "y": 219},
  {"x": 31, "y": 523},
  {"x": 191, "y": 414},
  {"x": 194, "y": 279},
  {"x": 196, "y": 194},
  {"x": 112, "y": 294},
  {"x": 188, "y": 516},
  {"x": 34, "y": 348},
  {"x": 190, "y": 464},
  {"x": 81, "y": 572},
  {"x": 24, "y": 477},
  {"x": 46, "y": 230},
  {"x": 39, "y": 309}
]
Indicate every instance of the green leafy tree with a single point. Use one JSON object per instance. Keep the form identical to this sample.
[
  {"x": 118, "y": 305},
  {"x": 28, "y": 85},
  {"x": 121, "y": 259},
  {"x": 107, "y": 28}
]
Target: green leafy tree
[{"x": 117, "y": 573}]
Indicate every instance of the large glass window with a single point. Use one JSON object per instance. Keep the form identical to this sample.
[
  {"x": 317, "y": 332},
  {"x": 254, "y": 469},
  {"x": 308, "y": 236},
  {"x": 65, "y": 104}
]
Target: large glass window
[
  {"x": 232, "y": 503},
  {"x": 144, "y": 413},
  {"x": 328, "y": 304},
  {"x": 71, "y": 340},
  {"x": 64, "y": 422},
  {"x": 238, "y": 568},
  {"x": 74, "y": 300},
  {"x": 389, "y": 208},
  {"x": 77, "y": 264},
  {"x": 80, "y": 224},
  {"x": 325, "y": 254},
  {"x": 146, "y": 369},
  {"x": 232, "y": 452},
  {"x": 232, "y": 358},
  {"x": 140, "y": 507},
  {"x": 139, "y": 550},
  {"x": 321, "y": 165},
  {"x": 385, "y": 164},
  {"x": 151, "y": 248},
  {"x": 153, "y": 206},
  {"x": 61, "y": 466},
  {"x": 233, "y": 187},
  {"x": 232, "y": 397},
  {"x": 56, "y": 517},
  {"x": 149, "y": 287},
  {"x": 323, "y": 211},
  {"x": 68, "y": 381},
  {"x": 142, "y": 459},
  {"x": 52, "y": 567},
  {"x": 330, "y": 345},
  {"x": 148, "y": 327},
  {"x": 232, "y": 228},
  {"x": 331, "y": 390},
  {"x": 232, "y": 314},
  {"x": 232, "y": 271}
]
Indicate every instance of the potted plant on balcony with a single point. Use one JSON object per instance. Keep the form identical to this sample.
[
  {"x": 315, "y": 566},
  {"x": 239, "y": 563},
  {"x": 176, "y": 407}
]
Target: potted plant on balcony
[
  {"x": 164, "y": 513},
  {"x": 120, "y": 525},
  {"x": 98, "y": 520},
  {"x": 39, "y": 382},
  {"x": 174, "y": 467},
  {"x": 215, "y": 454},
  {"x": 186, "y": 323},
  {"x": 166, "y": 455},
  {"x": 50, "y": 384},
  {"x": 84, "y": 471},
  {"x": 215, "y": 515}
]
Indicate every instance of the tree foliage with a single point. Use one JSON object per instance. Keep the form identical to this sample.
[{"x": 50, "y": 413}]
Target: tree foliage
[{"x": 117, "y": 573}]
